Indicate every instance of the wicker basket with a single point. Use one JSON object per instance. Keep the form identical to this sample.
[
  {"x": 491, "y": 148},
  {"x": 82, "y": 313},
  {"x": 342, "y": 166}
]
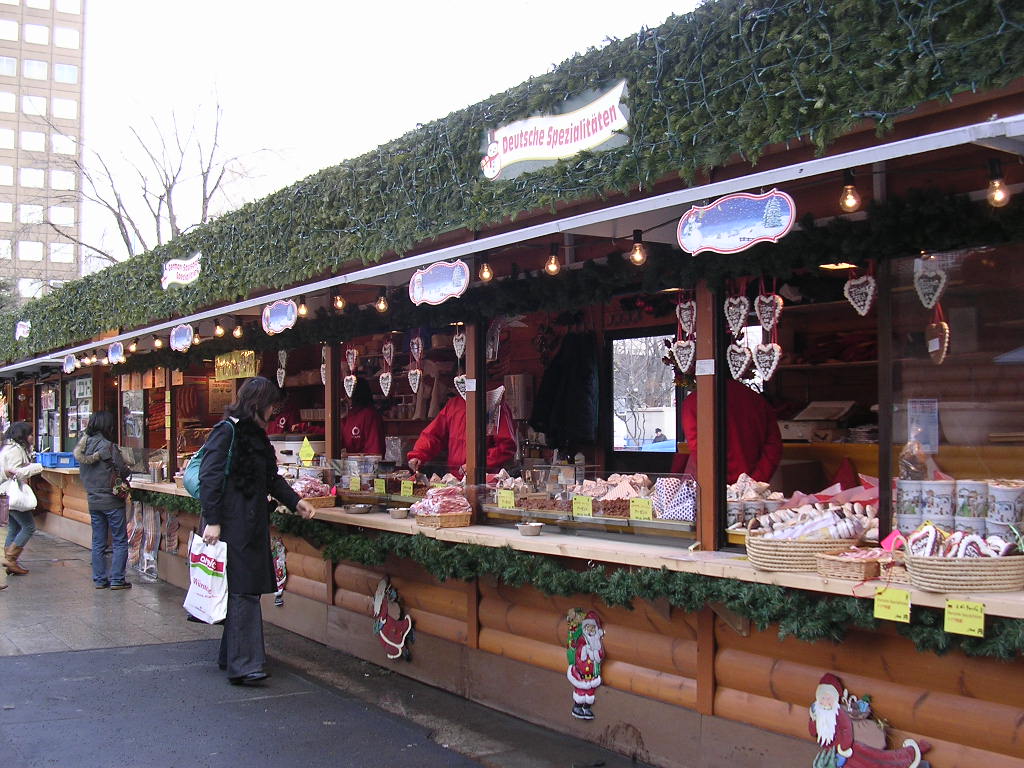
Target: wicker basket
[
  {"x": 451, "y": 520},
  {"x": 788, "y": 555},
  {"x": 322, "y": 501},
  {"x": 832, "y": 566},
  {"x": 895, "y": 570},
  {"x": 962, "y": 574}
]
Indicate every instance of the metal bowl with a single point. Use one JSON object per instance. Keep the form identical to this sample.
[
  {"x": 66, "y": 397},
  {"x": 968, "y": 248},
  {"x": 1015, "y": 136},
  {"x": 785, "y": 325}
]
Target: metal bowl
[
  {"x": 358, "y": 509},
  {"x": 399, "y": 513},
  {"x": 530, "y": 529}
]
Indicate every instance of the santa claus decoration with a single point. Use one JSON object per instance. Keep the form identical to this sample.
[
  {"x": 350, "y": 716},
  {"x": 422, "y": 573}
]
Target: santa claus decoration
[
  {"x": 832, "y": 726},
  {"x": 585, "y": 653},
  {"x": 392, "y": 627}
]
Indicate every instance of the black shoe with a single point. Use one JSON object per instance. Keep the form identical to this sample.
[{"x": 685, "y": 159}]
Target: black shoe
[
  {"x": 253, "y": 678},
  {"x": 123, "y": 585},
  {"x": 102, "y": 586},
  {"x": 588, "y": 712},
  {"x": 581, "y": 712}
]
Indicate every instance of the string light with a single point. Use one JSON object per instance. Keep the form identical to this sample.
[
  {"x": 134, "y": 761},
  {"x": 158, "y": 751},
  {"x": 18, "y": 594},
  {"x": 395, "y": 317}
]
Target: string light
[
  {"x": 998, "y": 195},
  {"x": 339, "y": 302},
  {"x": 552, "y": 266},
  {"x": 381, "y": 304},
  {"x": 303, "y": 309},
  {"x": 158, "y": 342},
  {"x": 849, "y": 200},
  {"x": 134, "y": 345},
  {"x": 237, "y": 331},
  {"x": 105, "y": 360},
  {"x": 638, "y": 256},
  {"x": 218, "y": 329},
  {"x": 78, "y": 363},
  {"x": 196, "y": 339},
  {"x": 93, "y": 358},
  {"x": 486, "y": 274}
]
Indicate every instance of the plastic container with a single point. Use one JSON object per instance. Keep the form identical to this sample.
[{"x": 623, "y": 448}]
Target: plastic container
[{"x": 55, "y": 460}]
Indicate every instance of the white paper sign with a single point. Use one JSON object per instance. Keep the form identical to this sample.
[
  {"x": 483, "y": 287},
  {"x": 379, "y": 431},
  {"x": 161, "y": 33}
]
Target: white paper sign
[
  {"x": 182, "y": 271},
  {"x": 706, "y": 367}
]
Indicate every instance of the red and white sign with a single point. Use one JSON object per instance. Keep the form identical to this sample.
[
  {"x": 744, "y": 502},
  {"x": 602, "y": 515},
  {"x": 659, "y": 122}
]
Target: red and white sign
[
  {"x": 553, "y": 137},
  {"x": 182, "y": 271}
]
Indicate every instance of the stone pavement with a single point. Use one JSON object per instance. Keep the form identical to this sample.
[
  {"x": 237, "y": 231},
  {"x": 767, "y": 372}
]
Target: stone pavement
[{"x": 94, "y": 678}]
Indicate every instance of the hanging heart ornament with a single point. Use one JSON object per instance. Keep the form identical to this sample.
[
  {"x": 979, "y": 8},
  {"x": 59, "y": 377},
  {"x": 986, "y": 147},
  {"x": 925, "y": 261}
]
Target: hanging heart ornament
[
  {"x": 385, "y": 383},
  {"x": 766, "y": 359},
  {"x": 930, "y": 283},
  {"x": 282, "y": 357},
  {"x": 459, "y": 342},
  {"x": 686, "y": 313},
  {"x": 684, "y": 353},
  {"x": 736, "y": 310},
  {"x": 739, "y": 359},
  {"x": 414, "y": 380},
  {"x": 416, "y": 348},
  {"x": 323, "y": 374},
  {"x": 936, "y": 336},
  {"x": 860, "y": 292},
  {"x": 280, "y": 377},
  {"x": 387, "y": 351},
  {"x": 460, "y": 385},
  {"x": 350, "y": 384},
  {"x": 768, "y": 308},
  {"x": 352, "y": 358}
]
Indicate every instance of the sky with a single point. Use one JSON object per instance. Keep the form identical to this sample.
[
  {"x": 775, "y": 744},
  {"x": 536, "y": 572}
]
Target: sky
[{"x": 305, "y": 84}]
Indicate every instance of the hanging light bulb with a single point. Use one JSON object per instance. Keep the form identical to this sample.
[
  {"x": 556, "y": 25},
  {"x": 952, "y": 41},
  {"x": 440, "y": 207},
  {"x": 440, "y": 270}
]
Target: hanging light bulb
[
  {"x": 237, "y": 331},
  {"x": 849, "y": 200},
  {"x": 998, "y": 195},
  {"x": 218, "y": 329},
  {"x": 105, "y": 360},
  {"x": 303, "y": 309},
  {"x": 638, "y": 256},
  {"x": 552, "y": 266},
  {"x": 486, "y": 274},
  {"x": 158, "y": 342},
  {"x": 78, "y": 363},
  {"x": 381, "y": 304},
  {"x": 134, "y": 345},
  {"x": 83, "y": 361},
  {"x": 196, "y": 339},
  {"x": 339, "y": 302},
  {"x": 93, "y": 359}
]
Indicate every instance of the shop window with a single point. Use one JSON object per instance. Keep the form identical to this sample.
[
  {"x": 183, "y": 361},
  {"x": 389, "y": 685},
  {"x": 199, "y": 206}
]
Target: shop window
[
  {"x": 6, "y": 175},
  {"x": 8, "y": 102},
  {"x": 6, "y": 212},
  {"x": 63, "y": 145},
  {"x": 643, "y": 396},
  {"x": 69, "y": 6},
  {"x": 33, "y": 141},
  {"x": 6, "y": 250},
  {"x": 65, "y": 37},
  {"x": 62, "y": 253},
  {"x": 10, "y": 2},
  {"x": 29, "y": 287},
  {"x": 62, "y": 180},
  {"x": 32, "y": 177},
  {"x": 33, "y": 105},
  {"x": 62, "y": 215},
  {"x": 65, "y": 73},
  {"x": 66, "y": 109},
  {"x": 8, "y": 66},
  {"x": 6, "y": 138},
  {"x": 40, "y": 4},
  {"x": 30, "y": 214},
  {"x": 8, "y": 29},
  {"x": 33, "y": 69},
  {"x": 37, "y": 34},
  {"x": 30, "y": 250}
]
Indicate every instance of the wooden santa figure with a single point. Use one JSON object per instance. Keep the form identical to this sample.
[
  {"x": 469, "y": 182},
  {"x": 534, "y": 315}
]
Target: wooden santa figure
[
  {"x": 392, "y": 627},
  {"x": 830, "y": 724},
  {"x": 585, "y": 653}
]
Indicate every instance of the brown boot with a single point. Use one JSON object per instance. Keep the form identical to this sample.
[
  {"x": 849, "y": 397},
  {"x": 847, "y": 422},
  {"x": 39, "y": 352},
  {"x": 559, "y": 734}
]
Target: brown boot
[{"x": 11, "y": 555}]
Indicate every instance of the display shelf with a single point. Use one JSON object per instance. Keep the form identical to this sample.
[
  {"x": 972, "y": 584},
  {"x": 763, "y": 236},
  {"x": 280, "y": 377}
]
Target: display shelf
[{"x": 517, "y": 515}]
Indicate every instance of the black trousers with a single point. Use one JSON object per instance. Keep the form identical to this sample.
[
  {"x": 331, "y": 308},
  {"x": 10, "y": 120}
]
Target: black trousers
[{"x": 241, "y": 645}]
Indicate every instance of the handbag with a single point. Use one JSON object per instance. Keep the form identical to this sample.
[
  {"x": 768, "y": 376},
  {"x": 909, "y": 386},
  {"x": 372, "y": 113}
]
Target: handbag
[
  {"x": 190, "y": 477},
  {"x": 20, "y": 496},
  {"x": 119, "y": 486},
  {"x": 5, "y": 508}
]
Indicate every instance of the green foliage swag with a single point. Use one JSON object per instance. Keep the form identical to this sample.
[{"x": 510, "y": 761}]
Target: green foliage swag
[
  {"x": 733, "y": 76},
  {"x": 808, "y": 616}
]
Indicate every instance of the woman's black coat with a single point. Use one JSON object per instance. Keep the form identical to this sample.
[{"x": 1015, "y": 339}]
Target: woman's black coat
[{"x": 239, "y": 503}]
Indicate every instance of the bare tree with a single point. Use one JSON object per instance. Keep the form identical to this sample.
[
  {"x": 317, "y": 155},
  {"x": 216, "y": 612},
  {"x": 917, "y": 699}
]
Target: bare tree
[
  {"x": 640, "y": 381},
  {"x": 177, "y": 179}
]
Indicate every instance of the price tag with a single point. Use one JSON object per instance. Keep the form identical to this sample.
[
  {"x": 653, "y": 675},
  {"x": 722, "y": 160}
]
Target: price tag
[
  {"x": 892, "y": 604},
  {"x": 507, "y": 499},
  {"x": 407, "y": 487},
  {"x": 641, "y": 509},
  {"x": 934, "y": 345},
  {"x": 353, "y": 482},
  {"x": 583, "y": 506},
  {"x": 379, "y": 486},
  {"x": 438, "y": 485},
  {"x": 965, "y": 618}
]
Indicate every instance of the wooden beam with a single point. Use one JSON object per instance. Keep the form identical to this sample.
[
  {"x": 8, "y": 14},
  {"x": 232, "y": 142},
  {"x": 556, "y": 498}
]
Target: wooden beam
[
  {"x": 706, "y": 661},
  {"x": 707, "y": 518},
  {"x": 332, "y": 395},
  {"x": 171, "y": 425},
  {"x": 476, "y": 412}
]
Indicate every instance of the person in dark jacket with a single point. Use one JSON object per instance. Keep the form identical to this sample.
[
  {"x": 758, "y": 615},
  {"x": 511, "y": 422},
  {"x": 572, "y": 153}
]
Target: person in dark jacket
[
  {"x": 100, "y": 467},
  {"x": 235, "y": 508}
]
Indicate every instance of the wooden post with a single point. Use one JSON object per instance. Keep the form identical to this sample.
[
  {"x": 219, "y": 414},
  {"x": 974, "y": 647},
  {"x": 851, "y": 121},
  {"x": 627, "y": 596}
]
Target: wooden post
[
  {"x": 332, "y": 394},
  {"x": 171, "y": 425},
  {"x": 706, "y": 661},
  {"x": 707, "y": 521},
  {"x": 476, "y": 412},
  {"x": 472, "y": 614}
]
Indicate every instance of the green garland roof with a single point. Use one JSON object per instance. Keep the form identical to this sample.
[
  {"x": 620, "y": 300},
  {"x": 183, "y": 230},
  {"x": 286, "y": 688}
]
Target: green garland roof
[{"x": 732, "y": 76}]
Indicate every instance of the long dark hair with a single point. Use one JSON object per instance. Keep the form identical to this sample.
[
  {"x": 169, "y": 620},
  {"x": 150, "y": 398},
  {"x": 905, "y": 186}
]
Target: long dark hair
[
  {"x": 257, "y": 394},
  {"x": 362, "y": 396},
  {"x": 18, "y": 433},
  {"x": 102, "y": 423}
]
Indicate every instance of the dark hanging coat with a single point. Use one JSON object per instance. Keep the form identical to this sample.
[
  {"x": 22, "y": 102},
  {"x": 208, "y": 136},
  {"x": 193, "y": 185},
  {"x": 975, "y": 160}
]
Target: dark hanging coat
[
  {"x": 239, "y": 503},
  {"x": 566, "y": 406}
]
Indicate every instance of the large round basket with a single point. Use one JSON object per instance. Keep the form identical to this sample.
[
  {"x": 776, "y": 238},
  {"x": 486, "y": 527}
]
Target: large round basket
[
  {"x": 789, "y": 555},
  {"x": 963, "y": 574}
]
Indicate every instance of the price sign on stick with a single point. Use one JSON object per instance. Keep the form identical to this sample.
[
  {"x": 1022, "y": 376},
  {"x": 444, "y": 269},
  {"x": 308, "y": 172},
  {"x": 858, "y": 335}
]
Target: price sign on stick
[
  {"x": 353, "y": 482},
  {"x": 892, "y": 604},
  {"x": 641, "y": 509},
  {"x": 379, "y": 485},
  {"x": 964, "y": 617},
  {"x": 507, "y": 499},
  {"x": 582, "y": 506},
  {"x": 407, "y": 487}
]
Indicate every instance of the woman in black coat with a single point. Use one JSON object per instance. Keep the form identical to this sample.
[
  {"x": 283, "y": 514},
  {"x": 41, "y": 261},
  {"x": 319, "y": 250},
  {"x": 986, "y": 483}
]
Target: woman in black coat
[{"x": 235, "y": 507}]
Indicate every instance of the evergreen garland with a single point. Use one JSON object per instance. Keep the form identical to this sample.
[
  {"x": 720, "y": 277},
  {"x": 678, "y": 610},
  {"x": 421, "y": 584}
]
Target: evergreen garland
[{"x": 733, "y": 76}]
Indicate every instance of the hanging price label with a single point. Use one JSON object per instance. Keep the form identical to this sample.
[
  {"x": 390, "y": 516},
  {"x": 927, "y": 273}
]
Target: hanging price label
[
  {"x": 583, "y": 506},
  {"x": 965, "y": 618},
  {"x": 353, "y": 482},
  {"x": 438, "y": 485},
  {"x": 407, "y": 487},
  {"x": 507, "y": 499},
  {"x": 892, "y": 604},
  {"x": 641, "y": 509},
  {"x": 379, "y": 485}
]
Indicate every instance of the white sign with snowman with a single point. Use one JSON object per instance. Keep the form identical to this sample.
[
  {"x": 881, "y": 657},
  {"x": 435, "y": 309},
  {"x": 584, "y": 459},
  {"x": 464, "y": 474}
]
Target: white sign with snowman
[{"x": 736, "y": 222}]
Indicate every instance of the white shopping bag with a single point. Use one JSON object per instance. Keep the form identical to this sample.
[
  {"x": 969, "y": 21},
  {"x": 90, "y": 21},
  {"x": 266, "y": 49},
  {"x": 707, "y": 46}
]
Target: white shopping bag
[{"x": 207, "y": 597}]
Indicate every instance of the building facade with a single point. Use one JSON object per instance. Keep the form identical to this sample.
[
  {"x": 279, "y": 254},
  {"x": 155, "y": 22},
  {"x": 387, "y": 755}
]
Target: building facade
[{"x": 41, "y": 44}]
